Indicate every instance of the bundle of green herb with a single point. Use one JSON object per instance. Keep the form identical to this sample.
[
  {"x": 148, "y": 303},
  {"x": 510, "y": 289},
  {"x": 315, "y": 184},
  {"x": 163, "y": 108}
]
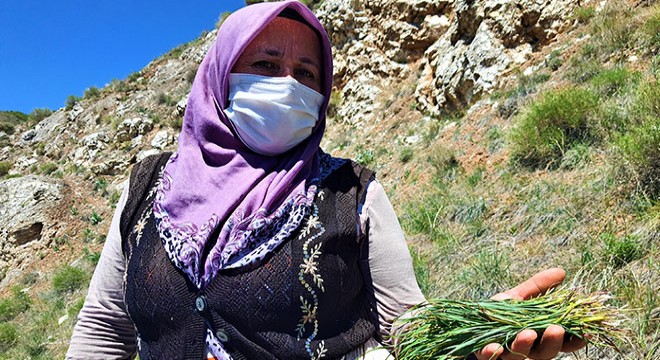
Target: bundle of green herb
[{"x": 444, "y": 329}]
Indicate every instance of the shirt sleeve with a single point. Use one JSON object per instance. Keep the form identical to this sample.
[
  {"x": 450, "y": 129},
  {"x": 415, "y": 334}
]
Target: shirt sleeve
[
  {"x": 390, "y": 265},
  {"x": 104, "y": 329}
]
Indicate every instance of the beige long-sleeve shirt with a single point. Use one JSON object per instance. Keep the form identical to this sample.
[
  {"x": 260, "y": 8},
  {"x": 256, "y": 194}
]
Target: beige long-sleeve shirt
[{"x": 105, "y": 331}]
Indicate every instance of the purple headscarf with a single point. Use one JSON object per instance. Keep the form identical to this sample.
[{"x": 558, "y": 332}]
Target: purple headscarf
[{"x": 215, "y": 185}]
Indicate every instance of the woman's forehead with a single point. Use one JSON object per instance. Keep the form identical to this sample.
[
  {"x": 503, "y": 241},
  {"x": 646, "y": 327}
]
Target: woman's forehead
[{"x": 282, "y": 35}]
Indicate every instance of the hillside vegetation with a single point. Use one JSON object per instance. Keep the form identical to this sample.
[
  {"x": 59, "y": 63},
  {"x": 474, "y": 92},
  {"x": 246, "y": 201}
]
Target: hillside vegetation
[{"x": 558, "y": 166}]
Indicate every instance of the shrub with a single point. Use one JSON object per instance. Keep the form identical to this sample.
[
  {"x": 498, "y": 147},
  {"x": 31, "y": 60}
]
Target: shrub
[
  {"x": 91, "y": 256},
  {"x": 647, "y": 104},
  {"x": 176, "y": 122},
  {"x": 190, "y": 75},
  {"x": 554, "y": 61},
  {"x": 100, "y": 186},
  {"x": 222, "y": 17},
  {"x": 95, "y": 218},
  {"x": 652, "y": 30},
  {"x": 165, "y": 99},
  {"x": 637, "y": 159},
  {"x": 71, "y": 101},
  {"x": 39, "y": 114},
  {"x": 583, "y": 66},
  {"x": 553, "y": 125},
  {"x": 444, "y": 161},
  {"x": 364, "y": 156},
  {"x": 8, "y": 336},
  {"x": 5, "y": 166},
  {"x": 47, "y": 168},
  {"x": 576, "y": 156},
  {"x": 69, "y": 279},
  {"x": 614, "y": 29},
  {"x": 92, "y": 92},
  {"x": 620, "y": 251},
  {"x": 114, "y": 198},
  {"x": 9, "y": 120},
  {"x": 133, "y": 77},
  {"x": 406, "y": 154},
  {"x": 613, "y": 81},
  {"x": 16, "y": 304},
  {"x": 176, "y": 52},
  {"x": 584, "y": 14}
]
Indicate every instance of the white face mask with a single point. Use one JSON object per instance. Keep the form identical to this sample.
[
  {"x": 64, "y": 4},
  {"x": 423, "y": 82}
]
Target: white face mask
[{"x": 271, "y": 115}]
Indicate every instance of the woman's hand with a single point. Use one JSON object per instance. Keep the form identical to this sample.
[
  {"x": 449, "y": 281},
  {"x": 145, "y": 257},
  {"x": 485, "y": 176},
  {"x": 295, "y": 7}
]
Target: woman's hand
[{"x": 527, "y": 344}]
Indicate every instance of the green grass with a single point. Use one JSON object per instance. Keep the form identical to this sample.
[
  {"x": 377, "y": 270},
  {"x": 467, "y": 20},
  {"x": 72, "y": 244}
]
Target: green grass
[
  {"x": 69, "y": 279},
  {"x": 8, "y": 336},
  {"x": 620, "y": 251},
  {"x": 95, "y": 218},
  {"x": 637, "y": 160},
  {"x": 651, "y": 29},
  {"x": 10, "y": 119},
  {"x": 165, "y": 99},
  {"x": 47, "y": 168},
  {"x": 486, "y": 273},
  {"x": 647, "y": 102},
  {"x": 5, "y": 166},
  {"x": 611, "y": 82},
  {"x": 15, "y": 305},
  {"x": 364, "y": 156},
  {"x": 560, "y": 120},
  {"x": 31, "y": 328},
  {"x": 584, "y": 14},
  {"x": 406, "y": 154}
]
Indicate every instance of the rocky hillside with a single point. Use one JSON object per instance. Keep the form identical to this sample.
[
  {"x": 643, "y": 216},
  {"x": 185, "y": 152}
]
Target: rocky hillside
[
  {"x": 452, "y": 52},
  {"x": 427, "y": 92}
]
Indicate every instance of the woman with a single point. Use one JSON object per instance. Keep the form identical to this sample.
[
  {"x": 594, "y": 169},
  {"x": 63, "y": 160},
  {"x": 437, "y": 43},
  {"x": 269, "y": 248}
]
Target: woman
[{"x": 250, "y": 242}]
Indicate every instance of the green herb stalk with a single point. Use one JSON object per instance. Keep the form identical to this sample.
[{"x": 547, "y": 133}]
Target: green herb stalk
[{"x": 445, "y": 329}]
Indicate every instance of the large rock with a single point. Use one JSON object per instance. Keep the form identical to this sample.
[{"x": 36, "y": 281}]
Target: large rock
[
  {"x": 24, "y": 204},
  {"x": 374, "y": 43},
  {"x": 465, "y": 46},
  {"x": 162, "y": 140},
  {"x": 92, "y": 144},
  {"x": 75, "y": 111},
  {"x": 130, "y": 128},
  {"x": 483, "y": 40}
]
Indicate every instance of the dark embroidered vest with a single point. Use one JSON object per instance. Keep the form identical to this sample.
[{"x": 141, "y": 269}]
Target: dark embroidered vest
[{"x": 307, "y": 300}]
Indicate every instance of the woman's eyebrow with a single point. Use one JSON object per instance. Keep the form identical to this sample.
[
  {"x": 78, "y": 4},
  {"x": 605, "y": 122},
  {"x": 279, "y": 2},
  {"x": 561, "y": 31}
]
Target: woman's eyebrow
[
  {"x": 309, "y": 61},
  {"x": 303, "y": 59},
  {"x": 273, "y": 52}
]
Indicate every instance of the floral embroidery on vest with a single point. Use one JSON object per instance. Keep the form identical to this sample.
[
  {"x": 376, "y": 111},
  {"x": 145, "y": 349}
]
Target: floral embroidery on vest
[
  {"x": 311, "y": 279},
  {"x": 144, "y": 218}
]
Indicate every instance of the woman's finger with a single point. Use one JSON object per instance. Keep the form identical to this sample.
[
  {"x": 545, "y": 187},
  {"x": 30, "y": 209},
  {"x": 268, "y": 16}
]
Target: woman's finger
[
  {"x": 490, "y": 352},
  {"x": 573, "y": 343},
  {"x": 521, "y": 346},
  {"x": 550, "y": 344},
  {"x": 534, "y": 286}
]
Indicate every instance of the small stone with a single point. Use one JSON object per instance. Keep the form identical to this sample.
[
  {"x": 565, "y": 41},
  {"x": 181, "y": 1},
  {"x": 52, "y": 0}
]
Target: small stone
[{"x": 29, "y": 135}]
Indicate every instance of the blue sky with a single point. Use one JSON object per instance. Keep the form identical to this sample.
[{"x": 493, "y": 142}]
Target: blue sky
[{"x": 52, "y": 49}]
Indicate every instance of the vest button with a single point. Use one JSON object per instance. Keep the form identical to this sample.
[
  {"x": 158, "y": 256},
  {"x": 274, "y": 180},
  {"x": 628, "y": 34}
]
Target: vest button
[
  {"x": 222, "y": 336},
  {"x": 200, "y": 303}
]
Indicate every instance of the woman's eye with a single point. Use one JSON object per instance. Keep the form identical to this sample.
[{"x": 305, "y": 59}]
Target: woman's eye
[
  {"x": 266, "y": 65},
  {"x": 305, "y": 73}
]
